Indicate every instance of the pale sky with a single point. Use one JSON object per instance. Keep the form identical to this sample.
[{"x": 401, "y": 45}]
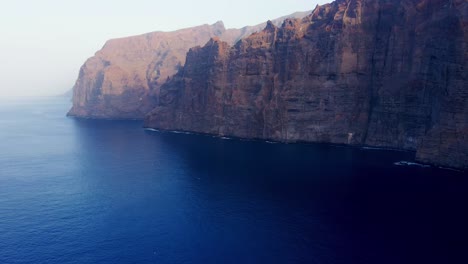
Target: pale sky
[{"x": 43, "y": 43}]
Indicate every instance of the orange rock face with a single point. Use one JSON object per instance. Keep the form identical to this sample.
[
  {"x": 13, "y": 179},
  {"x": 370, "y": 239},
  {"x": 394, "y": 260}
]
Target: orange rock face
[
  {"x": 380, "y": 73},
  {"x": 123, "y": 79}
]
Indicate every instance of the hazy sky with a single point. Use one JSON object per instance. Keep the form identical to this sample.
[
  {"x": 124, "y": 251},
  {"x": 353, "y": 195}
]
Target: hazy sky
[{"x": 44, "y": 43}]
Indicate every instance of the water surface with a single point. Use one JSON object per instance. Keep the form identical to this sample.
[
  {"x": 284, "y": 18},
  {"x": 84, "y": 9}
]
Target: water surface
[{"x": 87, "y": 191}]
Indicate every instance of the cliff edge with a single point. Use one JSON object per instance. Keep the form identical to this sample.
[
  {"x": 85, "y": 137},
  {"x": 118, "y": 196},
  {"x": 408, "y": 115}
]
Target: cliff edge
[
  {"x": 381, "y": 73},
  {"x": 122, "y": 80}
]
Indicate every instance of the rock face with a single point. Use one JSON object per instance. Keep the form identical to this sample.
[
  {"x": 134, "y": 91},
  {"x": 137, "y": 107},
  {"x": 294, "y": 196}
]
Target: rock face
[
  {"x": 385, "y": 73},
  {"x": 233, "y": 35},
  {"x": 123, "y": 79}
]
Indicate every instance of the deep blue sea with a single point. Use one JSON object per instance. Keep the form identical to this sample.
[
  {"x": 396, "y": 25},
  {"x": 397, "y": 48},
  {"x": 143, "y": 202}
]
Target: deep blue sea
[{"x": 87, "y": 191}]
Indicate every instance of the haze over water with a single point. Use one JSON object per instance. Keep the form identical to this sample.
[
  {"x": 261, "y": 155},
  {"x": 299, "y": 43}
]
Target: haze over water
[{"x": 86, "y": 191}]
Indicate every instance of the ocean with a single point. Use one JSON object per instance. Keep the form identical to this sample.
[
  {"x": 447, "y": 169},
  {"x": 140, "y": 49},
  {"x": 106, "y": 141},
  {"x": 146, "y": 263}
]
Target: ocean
[{"x": 101, "y": 191}]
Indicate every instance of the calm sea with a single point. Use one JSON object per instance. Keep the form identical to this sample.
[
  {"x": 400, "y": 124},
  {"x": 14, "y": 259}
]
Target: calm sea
[{"x": 87, "y": 191}]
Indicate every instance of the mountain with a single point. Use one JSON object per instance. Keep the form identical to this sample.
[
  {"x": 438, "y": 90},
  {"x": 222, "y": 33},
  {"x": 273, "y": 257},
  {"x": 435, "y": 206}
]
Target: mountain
[
  {"x": 122, "y": 80},
  {"x": 383, "y": 73},
  {"x": 67, "y": 94}
]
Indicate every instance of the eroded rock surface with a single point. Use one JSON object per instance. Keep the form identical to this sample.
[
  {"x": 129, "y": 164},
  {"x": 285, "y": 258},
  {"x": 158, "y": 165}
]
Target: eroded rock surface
[
  {"x": 123, "y": 79},
  {"x": 385, "y": 73}
]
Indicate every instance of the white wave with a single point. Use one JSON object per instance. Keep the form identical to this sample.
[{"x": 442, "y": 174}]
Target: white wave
[
  {"x": 180, "y": 132},
  {"x": 373, "y": 148},
  {"x": 451, "y": 169},
  {"x": 409, "y": 163}
]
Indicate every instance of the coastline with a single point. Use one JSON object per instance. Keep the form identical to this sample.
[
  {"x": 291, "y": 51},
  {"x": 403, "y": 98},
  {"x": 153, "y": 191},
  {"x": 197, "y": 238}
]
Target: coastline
[{"x": 413, "y": 162}]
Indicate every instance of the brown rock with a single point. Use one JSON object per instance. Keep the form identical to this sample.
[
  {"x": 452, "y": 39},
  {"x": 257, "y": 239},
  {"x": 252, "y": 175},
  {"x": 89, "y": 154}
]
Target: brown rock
[
  {"x": 123, "y": 79},
  {"x": 380, "y": 73}
]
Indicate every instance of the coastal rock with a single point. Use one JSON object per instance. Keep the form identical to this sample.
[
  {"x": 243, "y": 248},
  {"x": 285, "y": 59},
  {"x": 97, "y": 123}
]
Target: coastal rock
[
  {"x": 384, "y": 73},
  {"x": 123, "y": 79}
]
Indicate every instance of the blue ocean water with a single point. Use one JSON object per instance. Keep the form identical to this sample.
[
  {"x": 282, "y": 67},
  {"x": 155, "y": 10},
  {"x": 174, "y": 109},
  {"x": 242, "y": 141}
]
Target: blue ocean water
[{"x": 87, "y": 191}]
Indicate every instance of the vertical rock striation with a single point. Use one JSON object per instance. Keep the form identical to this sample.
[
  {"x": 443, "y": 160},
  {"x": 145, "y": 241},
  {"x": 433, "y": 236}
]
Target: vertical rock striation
[
  {"x": 385, "y": 73},
  {"x": 123, "y": 79}
]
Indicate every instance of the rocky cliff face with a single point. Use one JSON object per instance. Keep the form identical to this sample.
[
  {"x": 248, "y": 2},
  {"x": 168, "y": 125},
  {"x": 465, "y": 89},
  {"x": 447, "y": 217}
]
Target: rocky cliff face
[
  {"x": 123, "y": 79},
  {"x": 385, "y": 73},
  {"x": 233, "y": 35}
]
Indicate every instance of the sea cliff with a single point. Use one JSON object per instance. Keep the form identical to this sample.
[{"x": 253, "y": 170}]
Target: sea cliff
[
  {"x": 384, "y": 73},
  {"x": 122, "y": 80}
]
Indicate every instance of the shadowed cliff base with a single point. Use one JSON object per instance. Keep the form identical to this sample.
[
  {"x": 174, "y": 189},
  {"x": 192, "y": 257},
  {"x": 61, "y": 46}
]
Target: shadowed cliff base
[{"x": 363, "y": 73}]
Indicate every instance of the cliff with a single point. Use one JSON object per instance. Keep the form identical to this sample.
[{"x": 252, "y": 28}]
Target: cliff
[
  {"x": 233, "y": 35},
  {"x": 385, "y": 73},
  {"x": 123, "y": 79}
]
